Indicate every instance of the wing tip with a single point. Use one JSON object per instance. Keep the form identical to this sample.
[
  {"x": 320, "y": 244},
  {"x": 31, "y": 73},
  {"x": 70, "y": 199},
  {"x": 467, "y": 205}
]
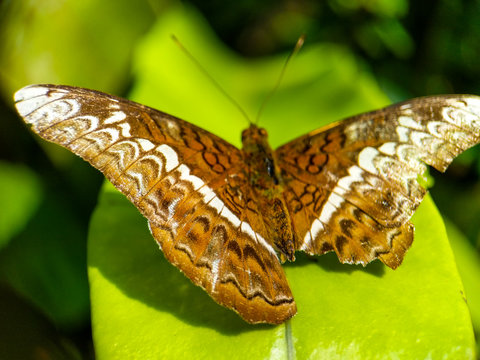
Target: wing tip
[
  {"x": 32, "y": 97},
  {"x": 29, "y": 92}
]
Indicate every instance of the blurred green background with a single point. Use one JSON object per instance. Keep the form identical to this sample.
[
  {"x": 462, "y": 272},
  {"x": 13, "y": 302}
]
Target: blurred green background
[{"x": 359, "y": 55}]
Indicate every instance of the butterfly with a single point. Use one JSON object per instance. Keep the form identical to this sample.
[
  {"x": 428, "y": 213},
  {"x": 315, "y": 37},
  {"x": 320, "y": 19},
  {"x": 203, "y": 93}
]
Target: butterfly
[{"x": 228, "y": 218}]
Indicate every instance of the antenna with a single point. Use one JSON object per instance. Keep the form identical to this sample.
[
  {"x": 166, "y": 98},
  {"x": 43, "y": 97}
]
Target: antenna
[
  {"x": 295, "y": 50},
  {"x": 207, "y": 74}
]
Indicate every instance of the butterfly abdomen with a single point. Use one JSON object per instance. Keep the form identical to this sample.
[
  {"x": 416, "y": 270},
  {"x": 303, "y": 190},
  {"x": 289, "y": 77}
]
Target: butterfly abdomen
[{"x": 267, "y": 184}]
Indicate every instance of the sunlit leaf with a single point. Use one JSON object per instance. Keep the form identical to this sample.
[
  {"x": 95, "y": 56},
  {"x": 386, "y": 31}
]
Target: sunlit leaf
[{"x": 468, "y": 263}]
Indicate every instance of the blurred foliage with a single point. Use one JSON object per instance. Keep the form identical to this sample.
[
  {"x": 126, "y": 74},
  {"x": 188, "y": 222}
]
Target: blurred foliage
[
  {"x": 27, "y": 334},
  {"x": 410, "y": 48},
  {"x": 20, "y": 194},
  {"x": 70, "y": 41},
  {"x": 413, "y": 47}
]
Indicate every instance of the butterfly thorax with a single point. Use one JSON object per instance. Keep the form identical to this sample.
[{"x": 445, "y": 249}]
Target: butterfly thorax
[{"x": 268, "y": 186}]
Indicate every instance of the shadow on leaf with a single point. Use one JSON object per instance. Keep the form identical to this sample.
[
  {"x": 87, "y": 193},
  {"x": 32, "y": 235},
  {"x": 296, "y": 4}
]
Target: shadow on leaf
[{"x": 330, "y": 263}]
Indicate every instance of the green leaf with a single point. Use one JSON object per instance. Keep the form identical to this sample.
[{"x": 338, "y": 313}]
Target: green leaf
[
  {"x": 143, "y": 307},
  {"x": 399, "y": 314},
  {"x": 468, "y": 263}
]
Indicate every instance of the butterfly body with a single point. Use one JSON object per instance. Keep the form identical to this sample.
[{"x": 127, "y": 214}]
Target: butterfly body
[
  {"x": 268, "y": 190},
  {"x": 227, "y": 217}
]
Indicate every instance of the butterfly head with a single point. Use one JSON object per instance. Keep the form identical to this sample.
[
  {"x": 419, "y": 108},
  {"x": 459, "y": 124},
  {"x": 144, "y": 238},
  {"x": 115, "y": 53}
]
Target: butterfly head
[{"x": 253, "y": 137}]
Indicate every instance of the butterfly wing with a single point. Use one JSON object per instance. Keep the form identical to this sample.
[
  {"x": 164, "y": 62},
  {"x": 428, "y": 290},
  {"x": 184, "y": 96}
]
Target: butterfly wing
[
  {"x": 352, "y": 187},
  {"x": 184, "y": 180}
]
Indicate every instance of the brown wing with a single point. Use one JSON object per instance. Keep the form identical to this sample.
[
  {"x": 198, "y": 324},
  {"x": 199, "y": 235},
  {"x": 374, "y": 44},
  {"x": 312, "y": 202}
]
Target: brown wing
[
  {"x": 352, "y": 186},
  {"x": 183, "y": 180}
]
